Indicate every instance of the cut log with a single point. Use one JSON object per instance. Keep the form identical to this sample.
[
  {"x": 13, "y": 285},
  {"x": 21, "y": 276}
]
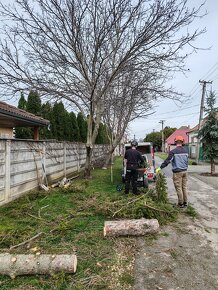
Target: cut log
[
  {"x": 137, "y": 227},
  {"x": 15, "y": 265}
]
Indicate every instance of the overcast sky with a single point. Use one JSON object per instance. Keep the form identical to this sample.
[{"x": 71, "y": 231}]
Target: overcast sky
[{"x": 201, "y": 65}]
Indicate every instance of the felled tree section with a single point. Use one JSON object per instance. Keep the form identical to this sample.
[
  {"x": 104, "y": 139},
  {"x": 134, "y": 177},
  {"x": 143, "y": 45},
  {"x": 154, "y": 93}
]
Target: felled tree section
[
  {"x": 137, "y": 227},
  {"x": 15, "y": 265}
]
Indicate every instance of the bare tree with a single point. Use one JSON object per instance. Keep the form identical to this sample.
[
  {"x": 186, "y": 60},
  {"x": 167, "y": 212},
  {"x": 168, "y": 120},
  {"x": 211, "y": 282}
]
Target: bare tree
[
  {"x": 76, "y": 49},
  {"x": 132, "y": 97}
]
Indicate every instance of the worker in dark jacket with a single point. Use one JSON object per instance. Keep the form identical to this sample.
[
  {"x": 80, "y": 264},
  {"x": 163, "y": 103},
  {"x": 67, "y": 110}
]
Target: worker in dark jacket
[
  {"x": 132, "y": 158},
  {"x": 179, "y": 159}
]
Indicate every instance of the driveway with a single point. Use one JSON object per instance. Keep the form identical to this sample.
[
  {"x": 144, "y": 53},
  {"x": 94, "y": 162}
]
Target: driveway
[{"x": 185, "y": 255}]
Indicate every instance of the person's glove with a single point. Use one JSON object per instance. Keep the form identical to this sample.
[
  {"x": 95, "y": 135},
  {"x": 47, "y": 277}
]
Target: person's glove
[{"x": 158, "y": 170}]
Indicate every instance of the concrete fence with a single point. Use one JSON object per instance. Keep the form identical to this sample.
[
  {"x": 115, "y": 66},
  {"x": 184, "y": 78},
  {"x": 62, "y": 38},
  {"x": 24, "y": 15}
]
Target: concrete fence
[{"x": 26, "y": 164}]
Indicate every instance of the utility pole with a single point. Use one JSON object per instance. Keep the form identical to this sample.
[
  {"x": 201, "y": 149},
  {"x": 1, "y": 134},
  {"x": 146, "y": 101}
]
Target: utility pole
[
  {"x": 201, "y": 115},
  {"x": 162, "y": 122}
]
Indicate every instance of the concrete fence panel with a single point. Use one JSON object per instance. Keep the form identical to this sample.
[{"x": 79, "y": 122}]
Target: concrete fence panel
[{"x": 26, "y": 164}]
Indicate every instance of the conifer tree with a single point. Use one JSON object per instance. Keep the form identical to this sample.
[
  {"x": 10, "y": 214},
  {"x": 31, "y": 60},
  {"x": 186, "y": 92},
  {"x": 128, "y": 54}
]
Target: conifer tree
[
  {"x": 68, "y": 128},
  {"x": 82, "y": 123},
  {"x": 102, "y": 135},
  {"x": 23, "y": 132},
  {"x": 208, "y": 134},
  {"x": 59, "y": 121},
  {"x": 75, "y": 127},
  {"x": 22, "y": 102},
  {"x": 34, "y": 103},
  {"x": 47, "y": 113}
]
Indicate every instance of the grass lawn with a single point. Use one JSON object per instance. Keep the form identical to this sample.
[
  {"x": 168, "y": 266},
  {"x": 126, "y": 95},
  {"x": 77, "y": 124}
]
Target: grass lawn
[{"x": 72, "y": 221}]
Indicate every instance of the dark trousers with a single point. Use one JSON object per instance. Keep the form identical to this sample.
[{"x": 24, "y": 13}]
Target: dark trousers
[{"x": 131, "y": 176}]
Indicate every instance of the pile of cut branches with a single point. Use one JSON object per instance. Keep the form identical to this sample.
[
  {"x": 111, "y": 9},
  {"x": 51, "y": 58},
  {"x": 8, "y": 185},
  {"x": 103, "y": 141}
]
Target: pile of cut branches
[{"x": 134, "y": 207}]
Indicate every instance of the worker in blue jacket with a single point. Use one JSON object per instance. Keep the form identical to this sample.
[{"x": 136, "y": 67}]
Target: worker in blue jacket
[{"x": 179, "y": 159}]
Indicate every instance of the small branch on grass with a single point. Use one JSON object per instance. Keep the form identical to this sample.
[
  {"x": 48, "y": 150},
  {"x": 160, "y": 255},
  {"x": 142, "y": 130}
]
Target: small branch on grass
[
  {"x": 132, "y": 201},
  {"x": 34, "y": 237},
  {"x": 27, "y": 241},
  {"x": 74, "y": 177},
  {"x": 39, "y": 212},
  {"x": 153, "y": 208},
  {"x": 35, "y": 217}
]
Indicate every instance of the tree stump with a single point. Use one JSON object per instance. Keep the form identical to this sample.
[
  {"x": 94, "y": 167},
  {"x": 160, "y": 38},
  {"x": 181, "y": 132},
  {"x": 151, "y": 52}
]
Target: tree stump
[
  {"x": 137, "y": 227},
  {"x": 14, "y": 265}
]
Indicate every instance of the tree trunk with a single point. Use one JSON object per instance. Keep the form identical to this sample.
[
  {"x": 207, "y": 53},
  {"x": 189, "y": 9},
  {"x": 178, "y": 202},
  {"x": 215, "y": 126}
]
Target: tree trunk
[
  {"x": 212, "y": 164},
  {"x": 14, "y": 265},
  {"x": 138, "y": 227},
  {"x": 87, "y": 172},
  {"x": 91, "y": 137},
  {"x": 89, "y": 145},
  {"x": 109, "y": 156}
]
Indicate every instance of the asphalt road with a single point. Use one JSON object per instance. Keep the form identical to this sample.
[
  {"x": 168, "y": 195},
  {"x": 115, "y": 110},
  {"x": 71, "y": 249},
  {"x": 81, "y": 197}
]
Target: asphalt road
[
  {"x": 167, "y": 170},
  {"x": 184, "y": 255}
]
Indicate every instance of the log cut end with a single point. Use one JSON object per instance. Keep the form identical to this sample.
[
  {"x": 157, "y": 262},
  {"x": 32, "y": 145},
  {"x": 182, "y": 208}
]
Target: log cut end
[
  {"x": 137, "y": 227},
  {"x": 75, "y": 263}
]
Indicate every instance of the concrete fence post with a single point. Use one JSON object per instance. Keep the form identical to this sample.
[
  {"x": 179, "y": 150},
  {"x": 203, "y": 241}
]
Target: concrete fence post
[
  {"x": 78, "y": 157},
  {"x": 7, "y": 169},
  {"x": 44, "y": 154},
  {"x": 44, "y": 163},
  {"x": 65, "y": 158}
]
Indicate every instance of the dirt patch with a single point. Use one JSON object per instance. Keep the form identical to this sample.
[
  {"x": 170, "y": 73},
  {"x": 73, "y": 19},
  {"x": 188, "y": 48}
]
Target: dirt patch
[
  {"x": 179, "y": 259},
  {"x": 123, "y": 269}
]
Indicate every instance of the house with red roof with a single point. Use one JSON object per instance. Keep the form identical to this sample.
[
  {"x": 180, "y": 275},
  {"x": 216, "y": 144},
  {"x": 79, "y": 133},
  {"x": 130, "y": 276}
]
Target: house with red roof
[
  {"x": 170, "y": 141},
  {"x": 11, "y": 117}
]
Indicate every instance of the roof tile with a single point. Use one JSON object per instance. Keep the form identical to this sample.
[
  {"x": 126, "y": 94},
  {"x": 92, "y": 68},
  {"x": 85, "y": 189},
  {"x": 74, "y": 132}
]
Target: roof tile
[
  {"x": 22, "y": 113},
  {"x": 178, "y": 132}
]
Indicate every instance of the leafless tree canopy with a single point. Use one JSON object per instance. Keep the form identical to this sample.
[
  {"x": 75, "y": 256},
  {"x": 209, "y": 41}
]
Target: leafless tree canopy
[
  {"x": 80, "y": 49},
  {"x": 75, "y": 48}
]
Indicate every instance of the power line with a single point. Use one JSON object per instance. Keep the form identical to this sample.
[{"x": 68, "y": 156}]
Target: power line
[
  {"x": 214, "y": 78},
  {"x": 209, "y": 72},
  {"x": 206, "y": 75},
  {"x": 179, "y": 110},
  {"x": 196, "y": 92},
  {"x": 212, "y": 72},
  {"x": 196, "y": 89},
  {"x": 173, "y": 117}
]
